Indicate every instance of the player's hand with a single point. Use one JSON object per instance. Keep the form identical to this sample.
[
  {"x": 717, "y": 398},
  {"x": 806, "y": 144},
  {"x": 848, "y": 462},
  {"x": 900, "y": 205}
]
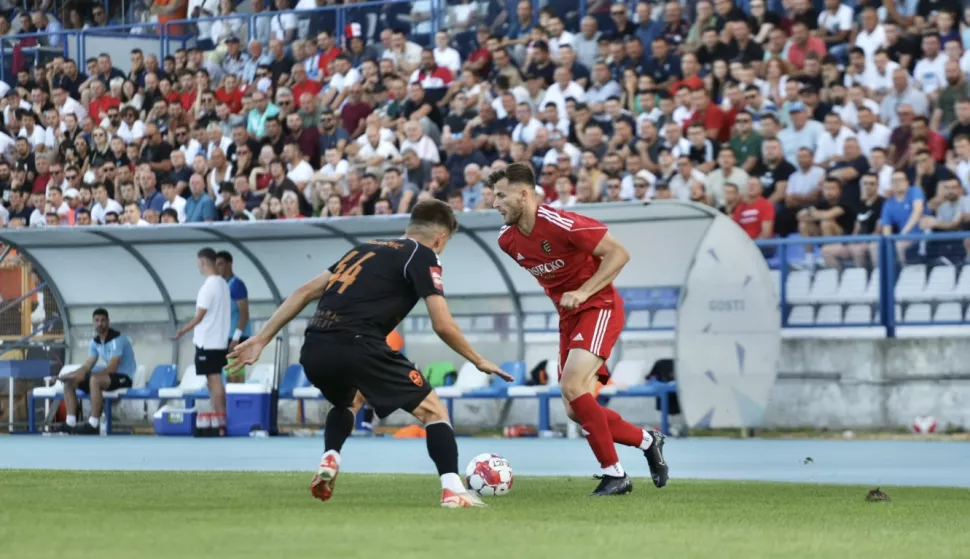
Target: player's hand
[
  {"x": 573, "y": 299},
  {"x": 490, "y": 368},
  {"x": 245, "y": 353}
]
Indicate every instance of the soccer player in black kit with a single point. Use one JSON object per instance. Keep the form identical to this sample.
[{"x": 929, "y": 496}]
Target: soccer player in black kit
[{"x": 362, "y": 298}]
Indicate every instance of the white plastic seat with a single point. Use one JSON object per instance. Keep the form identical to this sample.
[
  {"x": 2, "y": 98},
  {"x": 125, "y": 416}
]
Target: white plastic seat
[
  {"x": 57, "y": 388},
  {"x": 825, "y": 286},
  {"x": 469, "y": 378},
  {"x": 852, "y": 288},
  {"x": 664, "y": 318},
  {"x": 797, "y": 286},
  {"x": 911, "y": 283},
  {"x": 871, "y": 294},
  {"x": 962, "y": 289},
  {"x": 940, "y": 285},
  {"x": 916, "y": 312},
  {"x": 638, "y": 319},
  {"x": 802, "y": 315},
  {"x": 776, "y": 281},
  {"x": 262, "y": 374},
  {"x": 307, "y": 393},
  {"x": 858, "y": 314},
  {"x": 948, "y": 312},
  {"x": 190, "y": 382},
  {"x": 534, "y": 322},
  {"x": 626, "y": 373},
  {"x": 829, "y": 315}
]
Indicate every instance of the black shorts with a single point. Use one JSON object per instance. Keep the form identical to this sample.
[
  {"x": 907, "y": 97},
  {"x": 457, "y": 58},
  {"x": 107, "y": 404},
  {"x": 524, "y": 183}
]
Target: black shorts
[
  {"x": 118, "y": 380},
  {"x": 210, "y": 361},
  {"x": 341, "y": 364}
]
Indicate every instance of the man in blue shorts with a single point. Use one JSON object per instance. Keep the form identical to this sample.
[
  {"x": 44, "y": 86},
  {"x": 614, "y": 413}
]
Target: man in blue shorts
[{"x": 114, "y": 349}]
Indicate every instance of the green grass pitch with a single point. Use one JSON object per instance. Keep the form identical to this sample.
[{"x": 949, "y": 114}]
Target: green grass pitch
[{"x": 236, "y": 515}]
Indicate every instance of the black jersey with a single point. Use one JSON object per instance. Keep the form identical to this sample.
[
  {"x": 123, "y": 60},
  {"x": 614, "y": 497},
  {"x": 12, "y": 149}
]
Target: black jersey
[{"x": 375, "y": 285}]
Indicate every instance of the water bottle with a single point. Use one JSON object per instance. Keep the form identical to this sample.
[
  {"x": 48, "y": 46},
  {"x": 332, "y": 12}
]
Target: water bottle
[
  {"x": 572, "y": 430},
  {"x": 103, "y": 426}
]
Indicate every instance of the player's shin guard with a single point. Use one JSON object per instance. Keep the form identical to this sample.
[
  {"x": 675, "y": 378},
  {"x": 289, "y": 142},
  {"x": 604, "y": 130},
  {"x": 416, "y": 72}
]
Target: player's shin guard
[
  {"x": 339, "y": 426},
  {"x": 624, "y": 432},
  {"x": 597, "y": 428}
]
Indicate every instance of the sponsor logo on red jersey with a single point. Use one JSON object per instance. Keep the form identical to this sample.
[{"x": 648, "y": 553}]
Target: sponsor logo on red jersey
[
  {"x": 436, "y": 278},
  {"x": 547, "y": 267}
]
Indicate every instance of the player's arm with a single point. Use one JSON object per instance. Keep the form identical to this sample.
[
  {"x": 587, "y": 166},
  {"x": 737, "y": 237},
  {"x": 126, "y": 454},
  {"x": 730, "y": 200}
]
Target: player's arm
[
  {"x": 199, "y": 315},
  {"x": 613, "y": 257},
  {"x": 293, "y": 306},
  {"x": 115, "y": 350}
]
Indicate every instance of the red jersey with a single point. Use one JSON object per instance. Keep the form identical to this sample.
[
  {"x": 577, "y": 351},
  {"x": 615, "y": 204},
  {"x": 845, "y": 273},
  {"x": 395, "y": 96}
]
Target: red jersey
[
  {"x": 559, "y": 253},
  {"x": 751, "y": 216}
]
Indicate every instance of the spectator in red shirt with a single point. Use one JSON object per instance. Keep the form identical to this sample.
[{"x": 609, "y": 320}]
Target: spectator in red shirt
[
  {"x": 101, "y": 102},
  {"x": 231, "y": 94},
  {"x": 355, "y": 111},
  {"x": 802, "y": 43},
  {"x": 327, "y": 52},
  {"x": 302, "y": 84},
  {"x": 435, "y": 79},
  {"x": 934, "y": 141},
  {"x": 710, "y": 115},
  {"x": 480, "y": 60},
  {"x": 755, "y": 214},
  {"x": 691, "y": 70}
]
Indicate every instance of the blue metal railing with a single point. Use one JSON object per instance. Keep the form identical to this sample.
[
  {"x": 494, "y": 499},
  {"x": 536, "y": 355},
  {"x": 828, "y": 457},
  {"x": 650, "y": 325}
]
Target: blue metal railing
[{"x": 923, "y": 249}]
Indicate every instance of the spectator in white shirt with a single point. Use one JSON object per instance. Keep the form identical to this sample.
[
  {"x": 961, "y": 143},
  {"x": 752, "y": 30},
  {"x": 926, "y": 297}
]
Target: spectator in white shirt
[
  {"x": 444, "y": 55},
  {"x": 929, "y": 72},
  {"x": 415, "y": 139},
  {"x": 564, "y": 192},
  {"x": 133, "y": 215},
  {"x": 131, "y": 128},
  {"x": 561, "y": 147},
  {"x": 172, "y": 199},
  {"x": 68, "y": 105},
  {"x": 831, "y": 142},
  {"x": 35, "y": 134},
  {"x": 835, "y": 25},
  {"x": 871, "y": 133},
  {"x": 879, "y": 167},
  {"x": 374, "y": 150},
  {"x": 298, "y": 170},
  {"x": 525, "y": 130},
  {"x": 879, "y": 75},
  {"x": 563, "y": 88},
  {"x": 961, "y": 147},
  {"x": 335, "y": 169},
  {"x": 283, "y": 24},
  {"x": 103, "y": 205},
  {"x": 558, "y": 36},
  {"x": 872, "y": 35},
  {"x": 855, "y": 100}
]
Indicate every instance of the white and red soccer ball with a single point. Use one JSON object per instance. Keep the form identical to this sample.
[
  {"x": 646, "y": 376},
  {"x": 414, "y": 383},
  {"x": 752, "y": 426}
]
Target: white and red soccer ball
[
  {"x": 489, "y": 475},
  {"x": 924, "y": 425}
]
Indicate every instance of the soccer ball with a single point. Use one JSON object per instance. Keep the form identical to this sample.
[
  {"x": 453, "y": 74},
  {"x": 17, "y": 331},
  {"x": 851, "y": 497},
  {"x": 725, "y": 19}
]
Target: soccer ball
[
  {"x": 489, "y": 474},
  {"x": 924, "y": 424}
]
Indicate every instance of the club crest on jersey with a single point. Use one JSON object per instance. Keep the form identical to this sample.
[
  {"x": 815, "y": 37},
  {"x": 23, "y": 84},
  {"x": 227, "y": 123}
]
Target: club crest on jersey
[
  {"x": 546, "y": 247},
  {"x": 436, "y": 278}
]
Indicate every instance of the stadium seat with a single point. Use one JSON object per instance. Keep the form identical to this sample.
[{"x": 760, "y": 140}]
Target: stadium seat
[
  {"x": 190, "y": 383},
  {"x": 776, "y": 281},
  {"x": 53, "y": 392},
  {"x": 293, "y": 378},
  {"x": 962, "y": 289},
  {"x": 852, "y": 288},
  {"x": 262, "y": 373},
  {"x": 625, "y": 374},
  {"x": 802, "y": 315},
  {"x": 916, "y": 312},
  {"x": 871, "y": 294},
  {"x": 638, "y": 320},
  {"x": 665, "y": 318},
  {"x": 940, "y": 285},
  {"x": 469, "y": 378},
  {"x": 164, "y": 376},
  {"x": 829, "y": 315},
  {"x": 948, "y": 312},
  {"x": 910, "y": 283},
  {"x": 797, "y": 286},
  {"x": 483, "y": 323},
  {"x": 825, "y": 286},
  {"x": 858, "y": 315},
  {"x": 474, "y": 384}
]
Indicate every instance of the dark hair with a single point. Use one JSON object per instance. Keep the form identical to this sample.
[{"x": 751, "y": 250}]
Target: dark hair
[
  {"x": 833, "y": 180},
  {"x": 207, "y": 254},
  {"x": 82, "y": 211},
  {"x": 224, "y": 255},
  {"x": 433, "y": 213},
  {"x": 168, "y": 212},
  {"x": 100, "y": 311}
]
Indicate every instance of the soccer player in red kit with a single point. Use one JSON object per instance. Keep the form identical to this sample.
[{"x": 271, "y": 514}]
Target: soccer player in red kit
[{"x": 576, "y": 260}]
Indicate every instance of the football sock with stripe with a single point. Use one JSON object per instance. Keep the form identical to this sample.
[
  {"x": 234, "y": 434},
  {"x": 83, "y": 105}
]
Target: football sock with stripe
[
  {"x": 443, "y": 450},
  {"x": 596, "y": 427},
  {"x": 626, "y": 433},
  {"x": 340, "y": 423}
]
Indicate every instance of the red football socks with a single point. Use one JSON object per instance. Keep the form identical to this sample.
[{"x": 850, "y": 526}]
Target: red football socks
[
  {"x": 597, "y": 429},
  {"x": 624, "y": 432}
]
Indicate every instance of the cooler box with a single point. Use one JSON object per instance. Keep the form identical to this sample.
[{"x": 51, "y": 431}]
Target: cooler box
[
  {"x": 247, "y": 406},
  {"x": 175, "y": 422}
]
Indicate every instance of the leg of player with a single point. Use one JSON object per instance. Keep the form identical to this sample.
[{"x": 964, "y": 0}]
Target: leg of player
[
  {"x": 97, "y": 384},
  {"x": 339, "y": 425},
  {"x": 70, "y": 407},
  {"x": 217, "y": 395},
  {"x": 443, "y": 450},
  {"x": 579, "y": 372}
]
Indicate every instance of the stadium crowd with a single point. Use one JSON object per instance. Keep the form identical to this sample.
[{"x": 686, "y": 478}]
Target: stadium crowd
[{"x": 791, "y": 118}]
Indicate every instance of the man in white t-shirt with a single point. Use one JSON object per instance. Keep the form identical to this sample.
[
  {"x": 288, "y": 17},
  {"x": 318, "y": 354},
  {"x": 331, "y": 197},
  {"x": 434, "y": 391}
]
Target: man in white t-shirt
[
  {"x": 298, "y": 170},
  {"x": 929, "y": 72},
  {"x": 283, "y": 23},
  {"x": 444, "y": 55},
  {"x": 835, "y": 26},
  {"x": 210, "y": 335},
  {"x": 172, "y": 198}
]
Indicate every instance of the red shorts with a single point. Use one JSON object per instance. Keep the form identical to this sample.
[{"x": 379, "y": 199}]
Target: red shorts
[{"x": 595, "y": 330}]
